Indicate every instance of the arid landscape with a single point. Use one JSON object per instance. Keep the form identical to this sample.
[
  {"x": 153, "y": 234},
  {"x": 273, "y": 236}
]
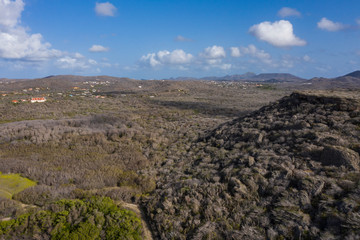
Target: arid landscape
[
  {"x": 179, "y": 120},
  {"x": 116, "y": 158}
]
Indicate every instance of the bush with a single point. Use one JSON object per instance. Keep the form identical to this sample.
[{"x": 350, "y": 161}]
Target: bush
[{"x": 94, "y": 218}]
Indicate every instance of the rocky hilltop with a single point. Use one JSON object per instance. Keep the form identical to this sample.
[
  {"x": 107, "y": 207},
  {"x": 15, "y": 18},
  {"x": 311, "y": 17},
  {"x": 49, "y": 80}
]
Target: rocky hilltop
[{"x": 287, "y": 171}]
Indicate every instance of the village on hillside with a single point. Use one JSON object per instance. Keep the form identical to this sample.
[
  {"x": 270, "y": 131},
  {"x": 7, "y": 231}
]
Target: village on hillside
[{"x": 43, "y": 94}]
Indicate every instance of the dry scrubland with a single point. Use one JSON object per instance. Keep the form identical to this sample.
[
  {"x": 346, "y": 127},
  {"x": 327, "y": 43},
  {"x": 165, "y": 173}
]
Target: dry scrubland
[{"x": 204, "y": 160}]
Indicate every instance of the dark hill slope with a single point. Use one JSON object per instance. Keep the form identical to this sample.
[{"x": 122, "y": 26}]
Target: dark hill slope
[
  {"x": 355, "y": 74},
  {"x": 348, "y": 81},
  {"x": 287, "y": 171},
  {"x": 63, "y": 82}
]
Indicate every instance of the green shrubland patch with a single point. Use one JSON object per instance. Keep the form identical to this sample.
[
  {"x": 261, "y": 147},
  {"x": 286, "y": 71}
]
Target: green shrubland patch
[
  {"x": 11, "y": 184},
  {"x": 94, "y": 218}
]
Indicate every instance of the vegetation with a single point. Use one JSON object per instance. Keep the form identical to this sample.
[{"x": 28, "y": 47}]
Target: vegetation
[
  {"x": 11, "y": 184},
  {"x": 94, "y": 218},
  {"x": 196, "y": 156}
]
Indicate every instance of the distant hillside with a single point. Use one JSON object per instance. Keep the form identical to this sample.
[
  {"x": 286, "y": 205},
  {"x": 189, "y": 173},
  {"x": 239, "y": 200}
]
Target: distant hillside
[
  {"x": 236, "y": 77},
  {"x": 348, "y": 81},
  {"x": 263, "y": 77},
  {"x": 279, "y": 77},
  {"x": 355, "y": 74},
  {"x": 59, "y": 82}
]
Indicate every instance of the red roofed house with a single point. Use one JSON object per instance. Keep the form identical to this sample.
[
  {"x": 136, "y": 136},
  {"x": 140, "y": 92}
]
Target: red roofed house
[{"x": 38, "y": 99}]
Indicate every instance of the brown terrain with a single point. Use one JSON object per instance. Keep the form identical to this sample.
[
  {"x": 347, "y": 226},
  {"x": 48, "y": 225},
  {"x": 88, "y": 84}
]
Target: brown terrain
[{"x": 202, "y": 159}]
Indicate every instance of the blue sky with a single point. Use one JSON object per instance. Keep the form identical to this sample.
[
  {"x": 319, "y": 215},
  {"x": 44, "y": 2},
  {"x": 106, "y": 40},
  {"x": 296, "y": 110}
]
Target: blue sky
[{"x": 161, "y": 39}]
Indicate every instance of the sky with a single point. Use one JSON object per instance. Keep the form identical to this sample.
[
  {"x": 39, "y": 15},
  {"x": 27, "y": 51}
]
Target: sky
[{"x": 159, "y": 39}]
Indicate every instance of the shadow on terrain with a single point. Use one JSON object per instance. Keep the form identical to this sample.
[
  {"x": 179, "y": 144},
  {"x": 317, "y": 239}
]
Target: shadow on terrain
[
  {"x": 117, "y": 93},
  {"x": 203, "y": 108}
]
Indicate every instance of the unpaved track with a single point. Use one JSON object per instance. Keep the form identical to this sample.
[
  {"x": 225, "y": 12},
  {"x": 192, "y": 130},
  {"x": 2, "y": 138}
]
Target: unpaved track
[
  {"x": 136, "y": 209},
  {"x": 5, "y": 219}
]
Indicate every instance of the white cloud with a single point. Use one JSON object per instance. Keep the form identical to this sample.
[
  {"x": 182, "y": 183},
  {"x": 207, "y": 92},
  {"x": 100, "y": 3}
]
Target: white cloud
[
  {"x": 279, "y": 34},
  {"x": 10, "y": 12},
  {"x": 214, "y": 61},
  {"x": 213, "y": 52},
  {"x": 70, "y": 62},
  {"x": 257, "y": 53},
  {"x": 182, "y": 39},
  {"x": 306, "y": 58},
  {"x": 225, "y": 66},
  {"x": 105, "y": 9},
  {"x": 15, "y": 42},
  {"x": 92, "y": 62},
  {"x": 98, "y": 48},
  {"x": 358, "y": 21},
  {"x": 75, "y": 62},
  {"x": 176, "y": 57},
  {"x": 150, "y": 59},
  {"x": 288, "y": 12},
  {"x": 328, "y": 25},
  {"x": 235, "y": 52}
]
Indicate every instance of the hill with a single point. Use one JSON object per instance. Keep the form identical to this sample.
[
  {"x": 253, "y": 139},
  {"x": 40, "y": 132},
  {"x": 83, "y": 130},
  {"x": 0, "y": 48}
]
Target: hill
[
  {"x": 355, "y": 74},
  {"x": 287, "y": 171},
  {"x": 263, "y": 77},
  {"x": 348, "y": 81}
]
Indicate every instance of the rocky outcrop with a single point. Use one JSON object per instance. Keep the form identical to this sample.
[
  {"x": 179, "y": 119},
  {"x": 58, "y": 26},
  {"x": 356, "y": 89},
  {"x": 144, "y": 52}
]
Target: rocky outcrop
[
  {"x": 287, "y": 171},
  {"x": 340, "y": 156}
]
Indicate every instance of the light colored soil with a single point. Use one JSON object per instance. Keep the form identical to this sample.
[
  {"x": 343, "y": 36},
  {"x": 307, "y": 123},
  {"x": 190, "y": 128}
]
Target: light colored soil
[{"x": 135, "y": 208}]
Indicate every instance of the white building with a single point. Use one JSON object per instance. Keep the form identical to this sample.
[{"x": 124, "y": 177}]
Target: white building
[{"x": 38, "y": 99}]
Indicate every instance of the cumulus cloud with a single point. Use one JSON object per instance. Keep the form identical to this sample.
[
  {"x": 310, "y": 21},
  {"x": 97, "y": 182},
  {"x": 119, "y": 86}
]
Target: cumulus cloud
[
  {"x": 15, "y": 42},
  {"x": 105, "y": 9},
  {"x": 10, "y": 12},
  {"x": 288, "y": 12},
  {"x": 212, "y": 57},
  {"x": 328, "y": 25},
  {"x": 176, "y": 57},
  {"x": 182, "y": 39},
  {"x": 235, "y": 52},
  {"x": 278, "y": 34},
  {"x": 213, "y": 52},
  {"x": 98, "y": 48}
]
